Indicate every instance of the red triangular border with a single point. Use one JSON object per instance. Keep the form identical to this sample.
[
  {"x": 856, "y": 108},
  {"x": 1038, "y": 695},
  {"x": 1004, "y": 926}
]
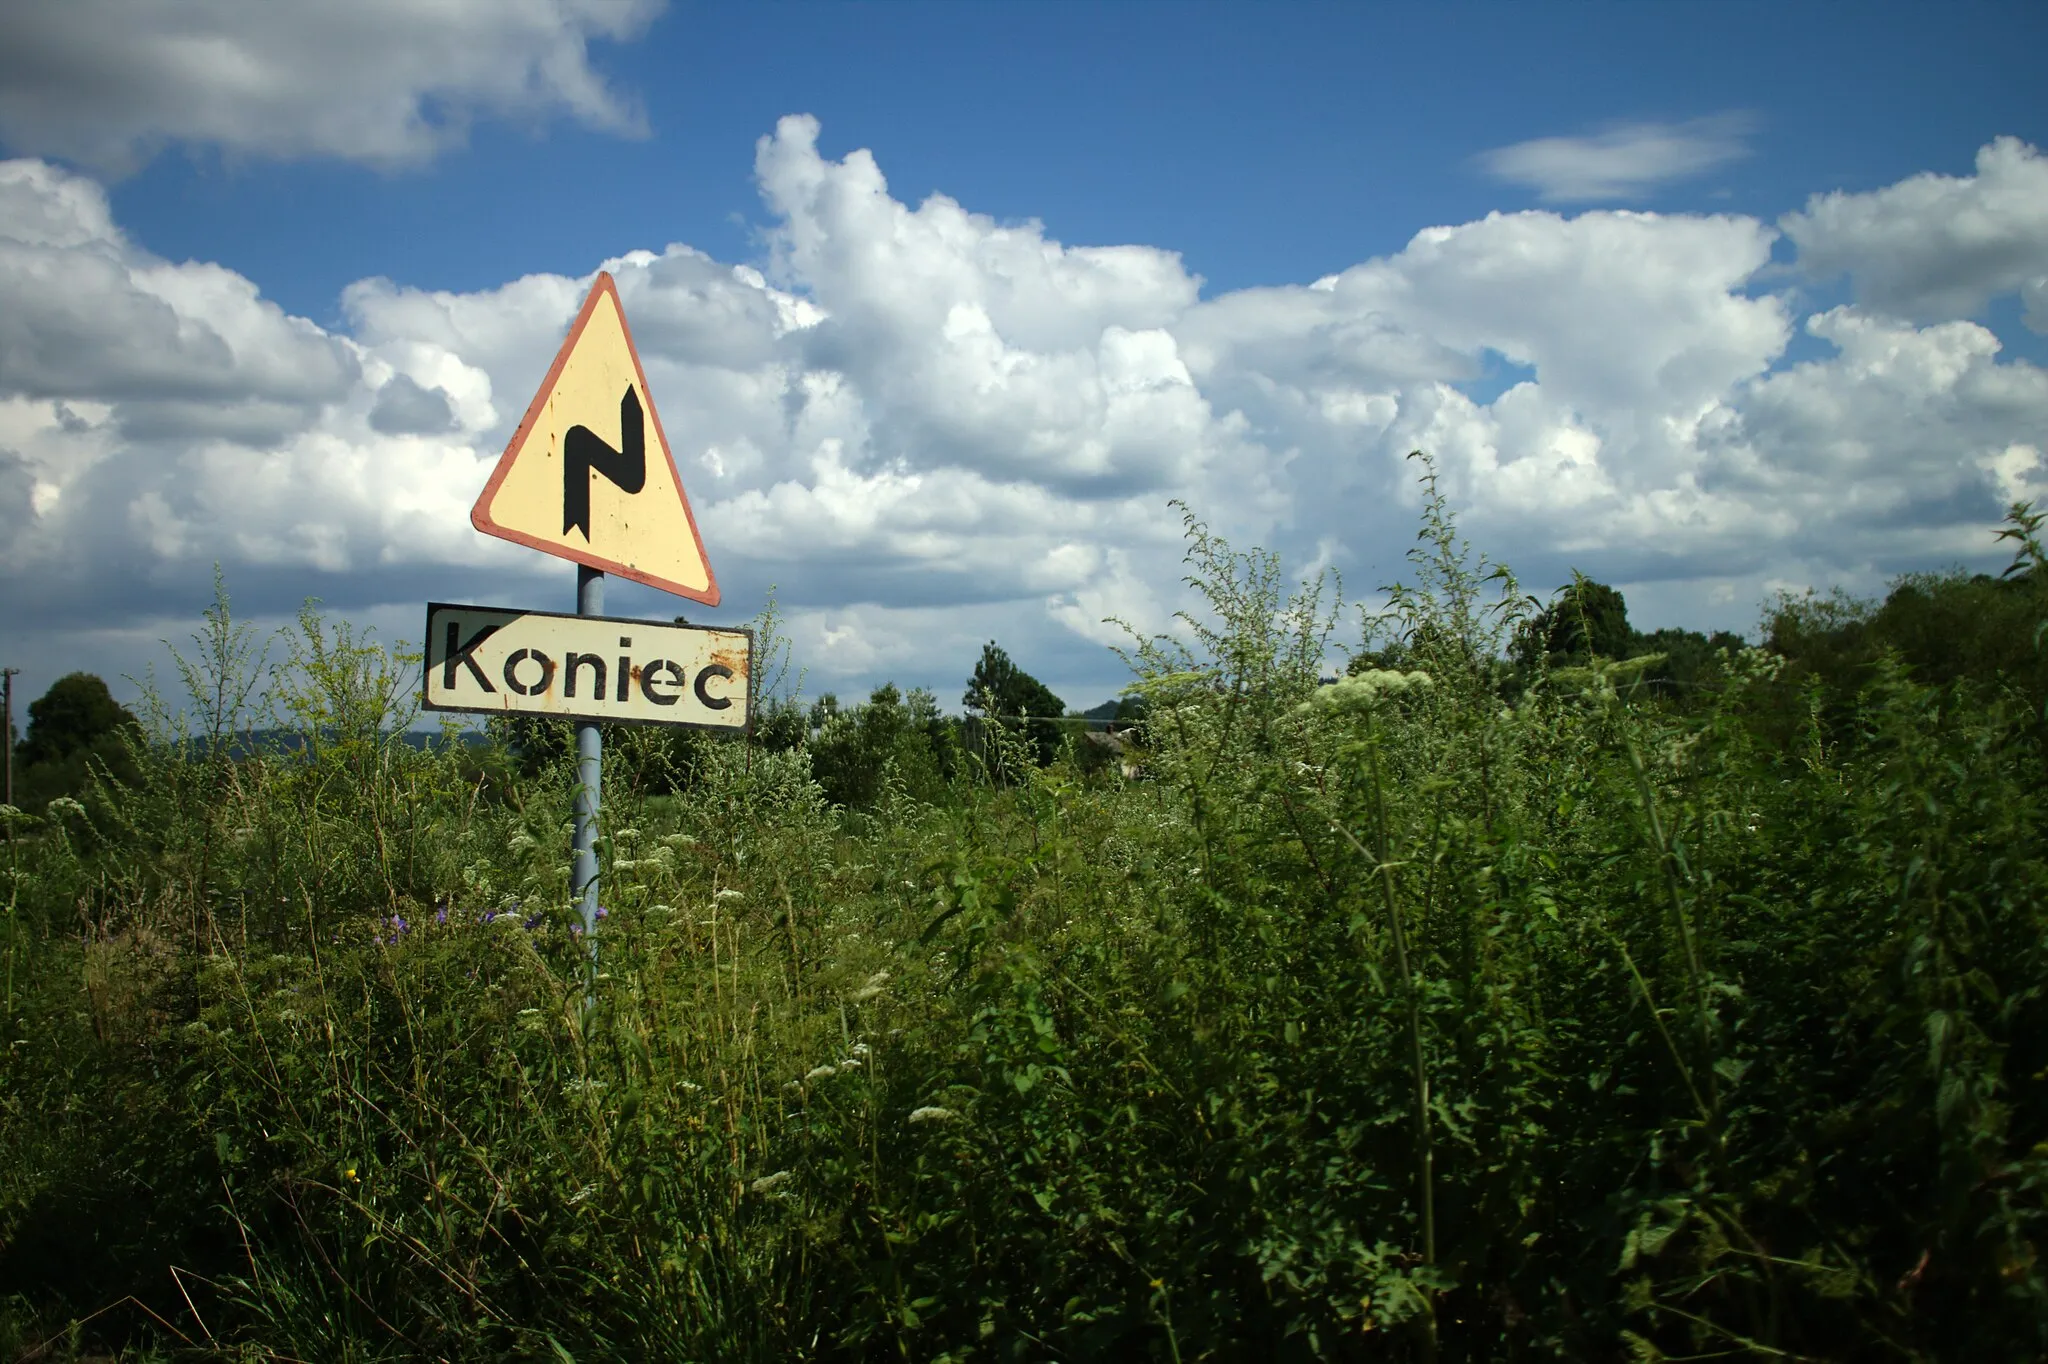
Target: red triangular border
[{"x": 480, "y": 514}]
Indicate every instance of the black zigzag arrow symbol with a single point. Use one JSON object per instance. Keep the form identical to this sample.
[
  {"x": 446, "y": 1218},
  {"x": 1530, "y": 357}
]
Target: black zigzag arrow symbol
[{"x": 584, "y": 450}]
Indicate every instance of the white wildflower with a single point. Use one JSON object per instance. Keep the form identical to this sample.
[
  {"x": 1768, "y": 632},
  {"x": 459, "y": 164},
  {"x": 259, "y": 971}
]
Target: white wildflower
[
  {"x": 583, "y": 1193},
  {"x": 860, "y": 1049},
  {"x": 1364, "y": 689},
  {"x": 688, "y": 1087},
  {"x": 770, "y": 1183},
  {"x": 850, "y": 1063},
  {"x": 728, "y": 893},
  {"x": 871, "y": 988},
  {"x": 932, "y": 1113},
  {"x": 821, "y": 1073}
]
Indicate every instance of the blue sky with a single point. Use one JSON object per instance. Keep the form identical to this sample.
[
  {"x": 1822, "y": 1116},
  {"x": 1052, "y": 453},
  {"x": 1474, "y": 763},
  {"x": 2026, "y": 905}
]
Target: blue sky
[
  {"x": 1268, "y": 147},
  {"x": 1704, "y": 405}
]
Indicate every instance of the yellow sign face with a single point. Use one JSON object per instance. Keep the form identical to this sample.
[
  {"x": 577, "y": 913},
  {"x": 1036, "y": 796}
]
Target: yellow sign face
[{"x": 588, "y": 475}]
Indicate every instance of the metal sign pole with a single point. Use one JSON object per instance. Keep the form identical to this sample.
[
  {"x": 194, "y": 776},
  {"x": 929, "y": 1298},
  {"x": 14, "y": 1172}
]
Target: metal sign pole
[{"x": 589, "y": 783}]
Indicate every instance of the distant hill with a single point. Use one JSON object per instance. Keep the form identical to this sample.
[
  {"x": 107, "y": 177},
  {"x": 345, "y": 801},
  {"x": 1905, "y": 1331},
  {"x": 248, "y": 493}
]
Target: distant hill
[{"x": 292, "y": 740}]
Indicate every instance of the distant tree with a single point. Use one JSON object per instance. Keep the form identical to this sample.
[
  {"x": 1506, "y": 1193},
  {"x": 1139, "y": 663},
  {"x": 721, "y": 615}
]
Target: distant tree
[
  {"x": 856, "y": 748},
  {"x": 781, "y": 726},
  {"x": 76, "y": 731},
  {"x": 1587, "y": 619},
  {"x": 653, "y": 760},
  {"x": 1001, "y": 691},
  {"x": 1693, "y": 663},
  {"x": 71, "y": 716},
  {"x": 1947, "y": 628}
]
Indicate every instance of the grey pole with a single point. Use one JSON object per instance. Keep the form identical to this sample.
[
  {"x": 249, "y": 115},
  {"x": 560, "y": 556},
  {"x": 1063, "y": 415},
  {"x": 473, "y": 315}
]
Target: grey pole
[
  {"x": 7, "y": 682},
  {"x": 589, "y": 782}
]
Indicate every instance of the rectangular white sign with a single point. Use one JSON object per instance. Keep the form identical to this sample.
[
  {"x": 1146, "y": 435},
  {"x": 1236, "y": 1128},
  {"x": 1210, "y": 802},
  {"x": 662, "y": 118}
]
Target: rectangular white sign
[{"x": 498, "y": 661}]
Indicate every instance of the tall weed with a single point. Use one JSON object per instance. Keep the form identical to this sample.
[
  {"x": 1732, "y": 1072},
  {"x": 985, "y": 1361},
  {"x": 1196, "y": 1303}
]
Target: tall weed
[{"x": 1441, "y": 1011}]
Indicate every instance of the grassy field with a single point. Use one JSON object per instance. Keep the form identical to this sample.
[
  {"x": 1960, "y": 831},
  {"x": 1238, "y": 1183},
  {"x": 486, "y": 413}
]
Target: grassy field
[{"x": 1447, "y": 1013}]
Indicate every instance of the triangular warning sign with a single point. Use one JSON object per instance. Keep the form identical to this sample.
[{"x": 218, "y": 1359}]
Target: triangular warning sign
[{"x": 588, "y": 475}]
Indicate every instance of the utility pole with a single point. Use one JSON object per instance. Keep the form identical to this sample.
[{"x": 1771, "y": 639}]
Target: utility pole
[{"x": 7, "y": 728}]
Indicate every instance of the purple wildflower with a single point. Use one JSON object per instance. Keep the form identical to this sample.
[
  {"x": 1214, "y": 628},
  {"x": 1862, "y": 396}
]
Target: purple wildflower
[
  {"x": 603, "y": 913},
  {"x": 532, "y": 923},
  {"x": 441, "y": 915}
]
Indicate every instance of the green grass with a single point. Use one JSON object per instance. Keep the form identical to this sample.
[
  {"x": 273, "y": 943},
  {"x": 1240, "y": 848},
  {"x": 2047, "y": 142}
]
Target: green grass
[{"x": 1465, "y": 1017}]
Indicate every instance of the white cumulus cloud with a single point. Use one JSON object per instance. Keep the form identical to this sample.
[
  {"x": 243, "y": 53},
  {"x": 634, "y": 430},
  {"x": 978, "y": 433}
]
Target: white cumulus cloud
[
  {"x": 1938, "y": 246},
  {"x": 109, "y": 82},
  {"x": 161, "y": 416}
]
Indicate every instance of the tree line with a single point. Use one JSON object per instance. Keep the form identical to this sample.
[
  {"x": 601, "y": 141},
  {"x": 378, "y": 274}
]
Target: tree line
[{"x": 1943, "y": 626}]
